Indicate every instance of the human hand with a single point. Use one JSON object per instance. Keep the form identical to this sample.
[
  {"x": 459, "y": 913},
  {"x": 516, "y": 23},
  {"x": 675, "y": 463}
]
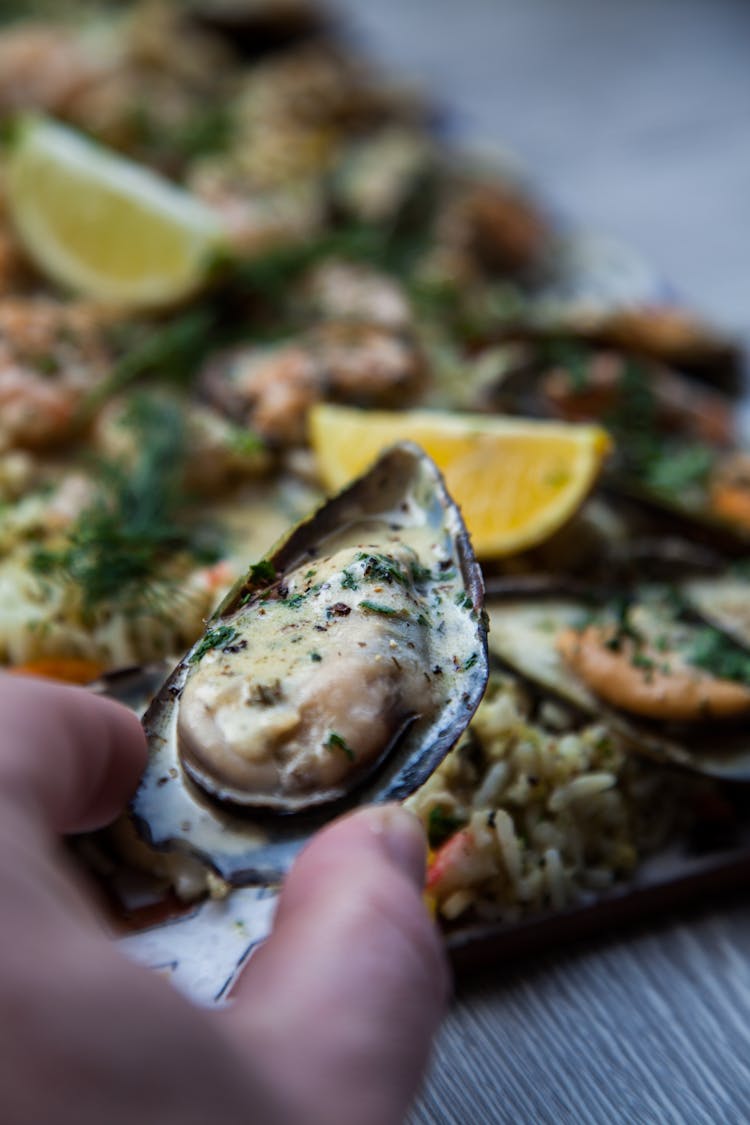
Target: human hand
[{"x": 332, "y": 1018}]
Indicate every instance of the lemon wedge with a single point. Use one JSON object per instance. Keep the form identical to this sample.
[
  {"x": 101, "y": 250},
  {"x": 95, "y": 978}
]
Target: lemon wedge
[
  {"x": 516, "y": 480},
  {"x": 102, "y": 226}
]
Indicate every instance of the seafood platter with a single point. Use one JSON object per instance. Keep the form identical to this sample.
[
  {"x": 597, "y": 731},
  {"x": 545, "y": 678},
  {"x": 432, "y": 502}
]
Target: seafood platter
[{"x": 327, "y": 451}]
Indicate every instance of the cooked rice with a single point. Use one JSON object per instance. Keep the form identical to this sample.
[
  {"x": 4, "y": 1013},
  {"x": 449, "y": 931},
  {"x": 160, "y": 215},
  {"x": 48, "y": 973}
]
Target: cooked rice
[{"x": 547, "y": 819}]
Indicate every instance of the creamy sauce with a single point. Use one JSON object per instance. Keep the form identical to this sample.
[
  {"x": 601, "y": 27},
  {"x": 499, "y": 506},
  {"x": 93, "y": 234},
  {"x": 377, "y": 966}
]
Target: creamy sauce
[{"x": 312, "y": 681}]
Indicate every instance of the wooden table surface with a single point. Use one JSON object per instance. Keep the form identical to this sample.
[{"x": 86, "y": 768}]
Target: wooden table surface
[{"x": 632, "y": 115}]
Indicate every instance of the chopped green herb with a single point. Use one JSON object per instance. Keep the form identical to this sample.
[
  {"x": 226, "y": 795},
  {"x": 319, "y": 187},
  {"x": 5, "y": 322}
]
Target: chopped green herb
[
  {"x": 441, "y": 825},
  {"x": 294, "y": 602},
  {"x": 379, "y": 568},
  {"x": 316, "y": 657},
  {"x": 337, "y": 742},
  {"x": 420, "y": 574},
  {"x": 675, "y": 470},
  {"x": 716, "y": 653},
  {"x": 385, "y": 610},
  {"x": 245, "y": 442},
  {"x": 348, "y": 581},
  {"x": 46, "y": 364},
  {"x": 262, "y": 572},
  {"x": 140, "y": 519},
  {"x": 220, "y": 637},
  {"x": 464, "y": 600},
  {"x": 470, "y": 662},
  {"x": 173, "y": 351}
]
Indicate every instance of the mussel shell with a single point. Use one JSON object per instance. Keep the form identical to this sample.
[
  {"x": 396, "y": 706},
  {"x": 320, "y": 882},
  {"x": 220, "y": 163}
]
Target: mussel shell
[
  {"x": 252, "y": 846},
  {"x": 723, "y": 602},
  {"x": 257, "y": 28},
  {"x": 522, "y": 635}
]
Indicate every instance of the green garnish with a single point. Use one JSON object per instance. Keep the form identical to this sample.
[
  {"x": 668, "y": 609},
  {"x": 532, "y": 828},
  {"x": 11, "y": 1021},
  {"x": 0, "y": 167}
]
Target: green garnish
[
  {"x": 470, "y": 662},
  {"x": 220, "y": 637},
  {"x": 244, "y": 442},
  {"x": 172, "y": 352},
  {"x": 420, "y": 574},
  {"x": 348, "y": 581},
  {"x": 645, "y": 663},
  {"x": 316, "y": 657},
  {"x": 441, "y": 825},
  {"x": 719, "y": 655},
  {"x": 385, "y": 610},
  {"x": 677, "y": 469},
  {"x": 140, "y": 519},
  {"x": 294, "y": 602},
  {"x": 261, "y": 573},
  {"x": 337, "y": 742},
  {"x": 380, "y": 568}
]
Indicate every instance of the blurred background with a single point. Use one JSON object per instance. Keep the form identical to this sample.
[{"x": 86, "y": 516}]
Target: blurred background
[{"x": 629, "y": 115}]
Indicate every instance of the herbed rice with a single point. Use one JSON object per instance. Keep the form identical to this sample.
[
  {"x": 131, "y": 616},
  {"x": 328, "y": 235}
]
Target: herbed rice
[
  {"x": 534, "y": 811},
  {"x": 44, "y": 617}
]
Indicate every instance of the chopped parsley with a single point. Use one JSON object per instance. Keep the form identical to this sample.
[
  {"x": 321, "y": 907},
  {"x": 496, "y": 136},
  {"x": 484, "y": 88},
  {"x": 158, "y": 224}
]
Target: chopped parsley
[
  {"x": 719, "y": 655},
  {"x": 338, "y": 742},
  {"x": 441, "y": 825},
  {"x": 677, "y": 469},
  {"x": 348, "y": 581},
  {"x": 220, "y": 637},
  {"x": 380, "y": 568},
  {"x": 262, "y": 572},
  {"x": 315, "y": 657},
  {"x": 384, "y": 610},
  {"x": 294, "y": 602},
  {"x": 420, "y": 574}
]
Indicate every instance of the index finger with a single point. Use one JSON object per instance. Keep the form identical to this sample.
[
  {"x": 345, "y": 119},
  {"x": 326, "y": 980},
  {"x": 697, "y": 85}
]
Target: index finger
[{"x": 70, "y": 757}]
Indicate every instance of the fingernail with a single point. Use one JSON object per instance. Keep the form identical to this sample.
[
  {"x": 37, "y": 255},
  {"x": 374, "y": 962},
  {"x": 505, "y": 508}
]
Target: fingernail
[{"x": 403, "y": 839}]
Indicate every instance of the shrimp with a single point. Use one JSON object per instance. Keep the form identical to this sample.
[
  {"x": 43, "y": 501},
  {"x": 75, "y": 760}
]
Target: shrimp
[
  {"x": 51, "y": 354},
  {"x": 729, "y": 490},
  {"x": 645, "y": 680},
  {"x": 495, "y": 225},
  {"x": 271, "y": 389},
  {"x": 679, "y": 404},
  {"x": 44, "y": 67},
  {"x": 366, "y": 364},
  {"x": 348, "y": 291}
]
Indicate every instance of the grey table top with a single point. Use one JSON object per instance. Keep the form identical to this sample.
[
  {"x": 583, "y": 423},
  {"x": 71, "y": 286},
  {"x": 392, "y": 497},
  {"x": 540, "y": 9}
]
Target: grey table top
[{"x": 632, "y": 116}]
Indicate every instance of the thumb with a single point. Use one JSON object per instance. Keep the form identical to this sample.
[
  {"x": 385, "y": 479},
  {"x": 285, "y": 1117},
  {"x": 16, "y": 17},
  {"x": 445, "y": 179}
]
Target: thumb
[
  {"x": 68, "y": 758},
  {"x": 343, "y": 1000}
]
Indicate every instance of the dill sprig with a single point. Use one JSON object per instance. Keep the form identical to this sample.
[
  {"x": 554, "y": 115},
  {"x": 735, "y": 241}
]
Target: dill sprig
[
  {"x": 171, "y": 352},
  {"x": 138, "y": 521}
]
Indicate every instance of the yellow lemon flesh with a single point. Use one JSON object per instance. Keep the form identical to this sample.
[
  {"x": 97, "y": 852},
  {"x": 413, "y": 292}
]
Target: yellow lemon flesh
[
  {"x": 517, "y": 481},
  {"x": 102, "y": 226}
]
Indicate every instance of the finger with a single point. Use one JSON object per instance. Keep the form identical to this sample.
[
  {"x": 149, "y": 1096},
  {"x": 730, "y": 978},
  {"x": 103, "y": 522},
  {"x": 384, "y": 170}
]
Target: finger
[
  {"x": 70, "y": 758},
  {"x": 349, "y": 990}
]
